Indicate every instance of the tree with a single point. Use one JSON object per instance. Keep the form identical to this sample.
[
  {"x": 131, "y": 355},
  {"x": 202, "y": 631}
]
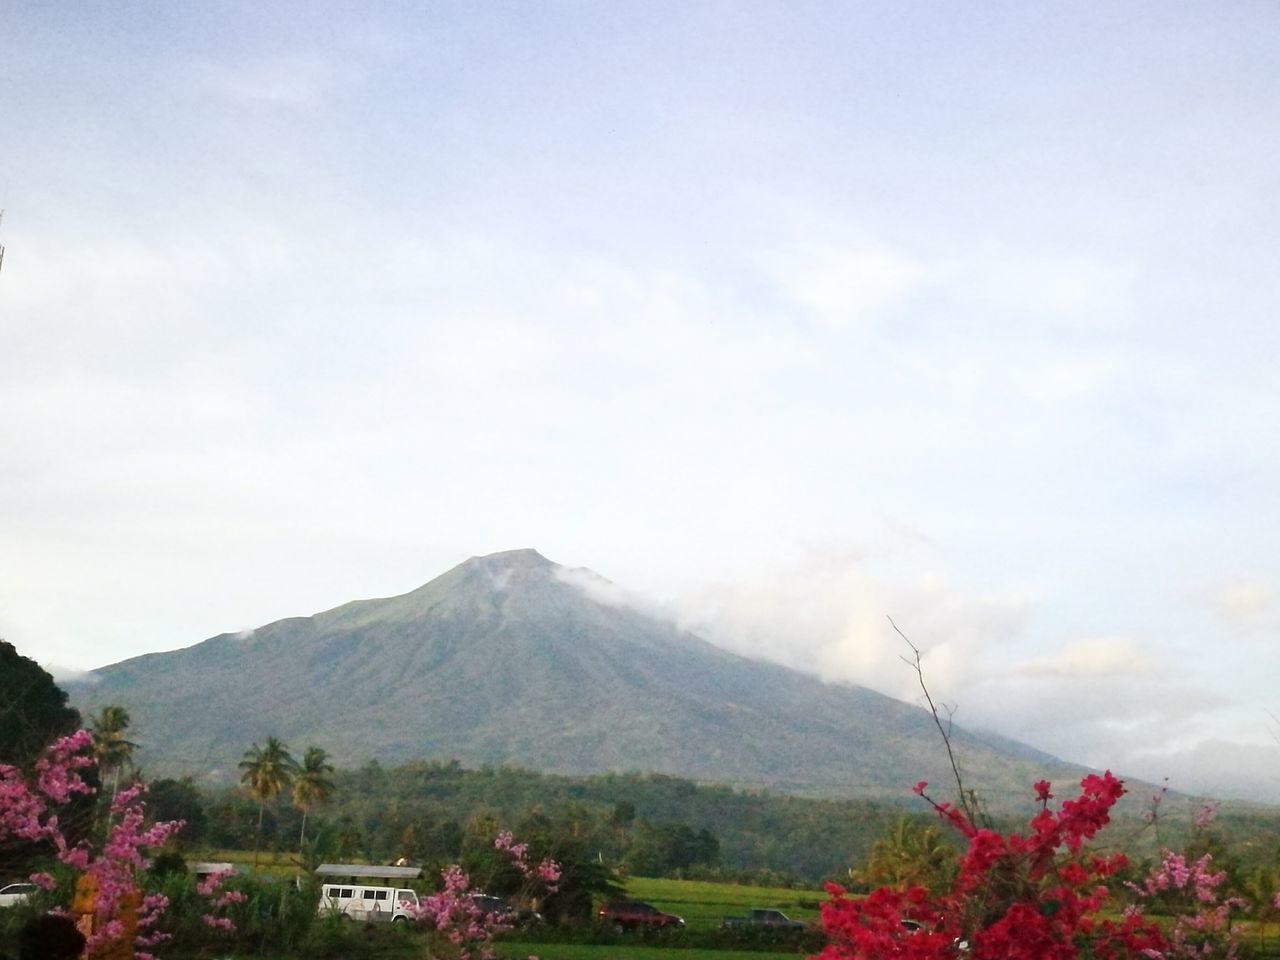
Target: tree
[
  {"x": 110, "y": 748},
  {"x": 268, "y": 770},
  {"x": 911, "y": 854},
  {"x": 311, "y": 786},
  {"x": 169, "y": 799},
  {"x": 33, "y": 710}
]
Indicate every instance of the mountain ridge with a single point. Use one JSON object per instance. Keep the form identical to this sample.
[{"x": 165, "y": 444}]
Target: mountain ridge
[{"x": 510, "y": 658}]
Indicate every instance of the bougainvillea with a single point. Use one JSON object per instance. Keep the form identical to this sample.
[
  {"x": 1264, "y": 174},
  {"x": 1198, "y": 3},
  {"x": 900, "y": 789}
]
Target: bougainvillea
[{"x": 1035, "y": 895}]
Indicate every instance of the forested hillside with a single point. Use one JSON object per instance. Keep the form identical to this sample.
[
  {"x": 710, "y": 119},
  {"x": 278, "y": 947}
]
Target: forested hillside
[
  {"x": 648, "y": 824},
  {"x": 651, "y": 824}
]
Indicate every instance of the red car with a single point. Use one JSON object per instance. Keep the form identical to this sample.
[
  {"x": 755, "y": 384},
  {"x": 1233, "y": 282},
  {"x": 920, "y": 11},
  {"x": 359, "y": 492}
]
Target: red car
[{"x": 625, "y": 915}]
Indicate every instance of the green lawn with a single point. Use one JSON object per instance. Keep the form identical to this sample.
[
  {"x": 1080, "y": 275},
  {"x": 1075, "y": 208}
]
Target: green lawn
[
  {"x": 512, "y": 950},
  {"x": 704, "y": 904}
]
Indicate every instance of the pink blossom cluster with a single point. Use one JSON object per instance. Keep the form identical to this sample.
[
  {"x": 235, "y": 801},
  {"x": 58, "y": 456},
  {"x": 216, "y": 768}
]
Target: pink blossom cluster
[
  {"x": 25, "y": 813},
  {"x": 28, "y": 811},
  {"x": 122, "y": 857},
  {"x": 150, "y": 911},
  {"x": 547, "y": 871},
  {"x": 211, "y": 889},
  {"x": 1206, "y": 815},
  {"x": 454, "y": 912},
  {"x": 1207, "y": 931}
]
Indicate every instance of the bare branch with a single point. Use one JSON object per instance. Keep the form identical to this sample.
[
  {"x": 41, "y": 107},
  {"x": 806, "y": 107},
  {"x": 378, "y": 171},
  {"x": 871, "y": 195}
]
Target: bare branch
[{"x": 966, "y": 799}]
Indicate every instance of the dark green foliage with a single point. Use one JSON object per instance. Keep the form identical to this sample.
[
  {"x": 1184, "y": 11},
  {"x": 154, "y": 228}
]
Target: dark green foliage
[
  {"x": 178, "y": 800},
  {"x": 418, "y": 810},
  {"x": 167, "y": 862},
  {"x": 661, "y": 849},
  {"x": 33, "y": 709},
  {"x": 33, "y": 714}
]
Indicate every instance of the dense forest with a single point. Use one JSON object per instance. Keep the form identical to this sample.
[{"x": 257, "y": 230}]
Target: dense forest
[
  {"x": 648, "y": 824},
  {"x": 644, "y": 824}
]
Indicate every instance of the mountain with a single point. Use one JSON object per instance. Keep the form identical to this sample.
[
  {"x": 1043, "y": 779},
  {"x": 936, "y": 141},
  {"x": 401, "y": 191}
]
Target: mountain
[{"x": 513, "y": 659}]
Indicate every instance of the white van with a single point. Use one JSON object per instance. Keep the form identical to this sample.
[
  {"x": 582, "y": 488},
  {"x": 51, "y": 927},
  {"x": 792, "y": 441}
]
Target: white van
[{"x": 364, "y": 902}]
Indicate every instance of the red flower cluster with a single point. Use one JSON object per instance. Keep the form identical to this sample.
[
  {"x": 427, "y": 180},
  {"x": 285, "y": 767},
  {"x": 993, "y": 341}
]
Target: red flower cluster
[{"x": 1032, "y": 896}]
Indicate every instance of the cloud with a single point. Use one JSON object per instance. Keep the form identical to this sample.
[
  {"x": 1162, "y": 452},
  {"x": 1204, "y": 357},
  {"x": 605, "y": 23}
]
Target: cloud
[
  {"x": 828, "y": 614},
  {"x": 1245, "y": 601},
  {"x": 845, "y": 286},
  {"x": 606, "y": 592},
  {"x": 1106, "y": 657},
  {"x": 296, "y": 80},
  {"x": 63, "y": 674},
  {"x": 1216, "y": 768},
  {"x": 1102, "y": 701}
]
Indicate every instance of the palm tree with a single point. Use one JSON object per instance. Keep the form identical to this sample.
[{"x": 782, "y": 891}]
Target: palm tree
[
  {"x": 311, "y": 786},
  {"x": 911, "y": 854},
  {"x": 110, "y": 748},
  {"x": 267, "y": 771}
]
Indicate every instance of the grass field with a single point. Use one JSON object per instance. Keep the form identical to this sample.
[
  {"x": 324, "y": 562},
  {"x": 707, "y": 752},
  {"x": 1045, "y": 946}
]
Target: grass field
[
  {"x": 514, "y": 950},
  {"x": 703, "y": 905}
]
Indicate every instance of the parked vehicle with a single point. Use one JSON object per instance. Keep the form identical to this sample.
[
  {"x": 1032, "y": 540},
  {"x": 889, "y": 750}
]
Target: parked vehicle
[
  {"x": 504, "y": 912},
  {"x": 624, "y": 915},
  {"x": 16, "y": 893},
  {"x": 757, "y": 919},
  {"x": 367, "y": 902}
]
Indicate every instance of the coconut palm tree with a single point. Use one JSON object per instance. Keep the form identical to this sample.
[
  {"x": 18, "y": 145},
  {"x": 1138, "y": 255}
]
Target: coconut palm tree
[
  {"x": 110, "y": 748},
  {"x": 267, "y": 771},
  {"x": 912, "y": 853},
  {"x": 311, "y": 786}
]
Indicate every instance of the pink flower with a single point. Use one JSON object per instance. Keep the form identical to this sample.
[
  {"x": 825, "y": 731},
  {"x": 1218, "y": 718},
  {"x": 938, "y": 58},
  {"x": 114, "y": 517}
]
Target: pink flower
[
  {"x": 1206, "y": 815},
  {"x": 43, "y": 880}
]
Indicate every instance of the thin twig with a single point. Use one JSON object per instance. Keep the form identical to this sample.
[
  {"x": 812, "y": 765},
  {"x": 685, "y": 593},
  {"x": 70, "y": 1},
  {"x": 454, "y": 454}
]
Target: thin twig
[{"x": 914, "y": 664}]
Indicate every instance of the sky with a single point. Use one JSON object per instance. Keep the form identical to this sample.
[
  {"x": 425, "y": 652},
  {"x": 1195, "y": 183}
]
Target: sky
[{"x": 789, "y": 317}]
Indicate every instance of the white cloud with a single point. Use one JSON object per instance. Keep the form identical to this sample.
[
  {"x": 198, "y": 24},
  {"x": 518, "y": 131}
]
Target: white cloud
[
  {"x": 604, "y": 591},
  {"x": 295, "y": 80},
  {"x": 1245, "y": 601},
  {"x": 828, "y": 614},
  {"x": 63, "y": 674},
  {"x": 1105, "y": 657},
  {"x": 845, "y": 286}
]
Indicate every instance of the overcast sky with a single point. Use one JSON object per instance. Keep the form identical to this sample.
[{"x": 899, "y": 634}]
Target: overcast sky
[{"x": 787, "y": 316}]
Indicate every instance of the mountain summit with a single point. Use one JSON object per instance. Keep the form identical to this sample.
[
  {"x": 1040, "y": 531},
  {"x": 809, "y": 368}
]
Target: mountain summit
[{"x": 513, "y": 659}]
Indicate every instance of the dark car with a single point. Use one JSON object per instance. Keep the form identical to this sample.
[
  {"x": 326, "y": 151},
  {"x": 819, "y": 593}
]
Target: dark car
[
  {"x": 758, "y": 919},
  {"x": 500, "y": 910},
  {"x": 625, "y": 915}
]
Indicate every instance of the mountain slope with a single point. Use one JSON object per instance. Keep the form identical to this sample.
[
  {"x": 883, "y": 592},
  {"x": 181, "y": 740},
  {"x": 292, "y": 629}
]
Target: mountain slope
[{"x": 513, "y": 659}]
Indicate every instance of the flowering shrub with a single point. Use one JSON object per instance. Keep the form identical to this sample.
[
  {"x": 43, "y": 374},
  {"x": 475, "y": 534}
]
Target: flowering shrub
[
  {"x": 211, "y": 889},
  {"x": 1035, "y": 895},
  {"x": 454, "y": 913},
  {"x": 28, "y": 811},
  {"x": 1193, "y": 890}
]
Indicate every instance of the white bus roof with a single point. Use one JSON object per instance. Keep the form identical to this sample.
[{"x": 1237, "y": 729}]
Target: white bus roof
[{"x": 369, "y": 870}]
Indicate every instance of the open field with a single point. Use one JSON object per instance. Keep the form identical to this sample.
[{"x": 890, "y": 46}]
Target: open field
[
  {"x": 704, "y": 904},
  {"x": 514, "y": 950}
]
